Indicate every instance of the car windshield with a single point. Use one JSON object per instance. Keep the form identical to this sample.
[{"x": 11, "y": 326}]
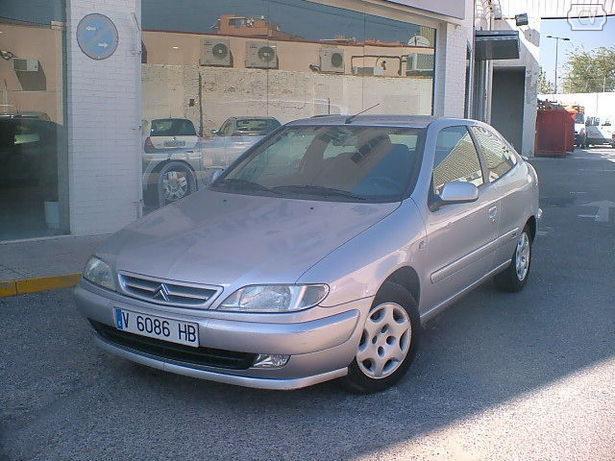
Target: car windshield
[
  {"x": 347, "y": 163},
  {"x": 172, "y": 127},
  {"x": 254, "y": 126}
]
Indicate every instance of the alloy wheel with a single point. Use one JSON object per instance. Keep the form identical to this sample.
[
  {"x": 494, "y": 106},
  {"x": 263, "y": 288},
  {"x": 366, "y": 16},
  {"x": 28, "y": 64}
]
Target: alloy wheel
[{"x": 175, "y": 185}]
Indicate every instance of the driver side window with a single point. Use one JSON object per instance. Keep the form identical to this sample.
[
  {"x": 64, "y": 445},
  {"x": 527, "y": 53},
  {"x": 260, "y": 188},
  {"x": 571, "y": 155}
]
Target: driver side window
[{"x": 456, "y": 159}]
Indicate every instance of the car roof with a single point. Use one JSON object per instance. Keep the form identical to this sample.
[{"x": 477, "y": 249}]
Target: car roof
[
  {"x": 397, "y": 121},
  {"x": 250, "y": 117},
  {"x": 407, "y": 121}
]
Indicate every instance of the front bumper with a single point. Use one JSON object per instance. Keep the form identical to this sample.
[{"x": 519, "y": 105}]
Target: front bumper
[{"x": 321, "y": 341}]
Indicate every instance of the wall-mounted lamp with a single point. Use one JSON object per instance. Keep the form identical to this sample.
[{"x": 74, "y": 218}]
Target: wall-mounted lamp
[{"x": 521, "y": 19}]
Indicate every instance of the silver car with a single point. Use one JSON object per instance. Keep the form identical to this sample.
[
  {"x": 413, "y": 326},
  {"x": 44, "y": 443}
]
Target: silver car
[
  {"x": 318, "y": 254},
  {"x": 172, "y": 161}
]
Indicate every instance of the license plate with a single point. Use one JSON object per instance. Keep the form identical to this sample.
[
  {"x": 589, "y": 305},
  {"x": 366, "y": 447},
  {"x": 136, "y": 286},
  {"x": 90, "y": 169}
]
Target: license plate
[
  {"x": 174, "y": 143},
  {"x": 152, "y": 326}
]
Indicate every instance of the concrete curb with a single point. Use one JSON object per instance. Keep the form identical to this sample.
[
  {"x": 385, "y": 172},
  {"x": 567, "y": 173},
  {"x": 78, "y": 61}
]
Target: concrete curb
[{"x": 36, "y": 284}]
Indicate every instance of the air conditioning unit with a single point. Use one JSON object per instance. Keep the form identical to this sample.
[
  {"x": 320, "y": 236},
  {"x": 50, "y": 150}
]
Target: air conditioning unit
[
  {"x": 332, "y": 60},
  {"x": 216, "y": 52},
  {"x": 26, "y": 65},
  {"x": 261, "y": 55},
  {"x": 420, "y": 62},
  {"x": 363, "y": 71}
]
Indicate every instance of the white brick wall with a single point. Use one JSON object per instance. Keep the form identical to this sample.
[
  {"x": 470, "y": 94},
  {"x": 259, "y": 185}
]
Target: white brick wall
[
  {"x": 103, "y": 117},
  {"x": 450, "y": 70}
]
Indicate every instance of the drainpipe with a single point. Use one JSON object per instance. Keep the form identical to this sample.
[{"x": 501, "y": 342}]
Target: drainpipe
[{"x": 486, "y": 116}]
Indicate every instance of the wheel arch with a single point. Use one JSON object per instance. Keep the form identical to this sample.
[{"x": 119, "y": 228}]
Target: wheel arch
[
  {"x": 531, "y": 224},
  {"x": 408, "y": 278},
  {"x": 161, "y": 165}
]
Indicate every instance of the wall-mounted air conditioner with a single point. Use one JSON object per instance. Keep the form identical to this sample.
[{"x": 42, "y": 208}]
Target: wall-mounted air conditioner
[
  {"x": 216, "y": 52},
  {"x": 420, "y": 62},
  {"x": 26, "y": 65},
  {"x": 261, "y": 55},
  {"x": 363, "y": 71},
  {"x": 332, "y": 60}
]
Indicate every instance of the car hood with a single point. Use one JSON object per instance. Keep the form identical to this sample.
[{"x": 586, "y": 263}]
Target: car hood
[{"x": 234, "y": 240}]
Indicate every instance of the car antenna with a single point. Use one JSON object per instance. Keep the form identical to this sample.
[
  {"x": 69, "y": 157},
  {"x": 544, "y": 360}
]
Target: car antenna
[{"x": 350, "y": 118}]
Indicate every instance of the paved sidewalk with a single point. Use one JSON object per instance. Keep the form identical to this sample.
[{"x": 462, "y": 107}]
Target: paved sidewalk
[{"x": 36, "y": 265}]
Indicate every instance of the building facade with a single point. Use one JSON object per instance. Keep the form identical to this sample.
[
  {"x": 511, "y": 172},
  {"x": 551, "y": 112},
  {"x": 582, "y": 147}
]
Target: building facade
[{"x": 98, "y": 98}]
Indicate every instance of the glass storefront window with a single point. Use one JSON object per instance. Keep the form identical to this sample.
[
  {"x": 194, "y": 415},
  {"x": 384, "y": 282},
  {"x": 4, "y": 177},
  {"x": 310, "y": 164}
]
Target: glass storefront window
[
  {"x": 33, "y": 202},
  {"x": 237, "y": 69}
]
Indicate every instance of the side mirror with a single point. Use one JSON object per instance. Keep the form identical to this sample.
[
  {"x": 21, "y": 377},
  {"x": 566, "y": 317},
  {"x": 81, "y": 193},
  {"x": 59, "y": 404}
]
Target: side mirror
[
  {"x": 216, "y": 174},
  {"x": 456, "y": 192}
]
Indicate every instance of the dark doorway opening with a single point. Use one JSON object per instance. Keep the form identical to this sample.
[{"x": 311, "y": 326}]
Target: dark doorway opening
[{"x": 508, "y": 97}]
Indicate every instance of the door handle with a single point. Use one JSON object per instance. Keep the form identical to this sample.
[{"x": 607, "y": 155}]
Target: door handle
[{"x": 493, "y": 213}]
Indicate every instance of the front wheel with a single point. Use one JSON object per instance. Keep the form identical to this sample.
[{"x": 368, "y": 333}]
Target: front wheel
[
  {"x": 388, "y": 342},
  {"x": 514, "y": 278}
]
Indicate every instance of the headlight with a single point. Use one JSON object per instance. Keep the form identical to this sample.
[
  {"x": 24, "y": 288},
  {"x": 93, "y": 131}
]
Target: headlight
[
  {"x": 99, "y": 273},
  {"x": 275, "y": 298}
]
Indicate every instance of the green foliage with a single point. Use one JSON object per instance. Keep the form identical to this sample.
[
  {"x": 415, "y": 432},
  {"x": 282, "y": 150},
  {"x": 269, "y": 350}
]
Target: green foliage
[
  {"x": 544, "y": 85},
  {"x": 590, "y": 71}
]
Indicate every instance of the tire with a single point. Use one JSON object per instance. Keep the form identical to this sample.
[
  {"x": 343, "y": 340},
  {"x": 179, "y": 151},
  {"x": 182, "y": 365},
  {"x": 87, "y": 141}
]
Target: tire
[
  {"x": 393, "y": 303},
  {"x": 175, "y": 181},
  {"x": 514, "y": 278}
]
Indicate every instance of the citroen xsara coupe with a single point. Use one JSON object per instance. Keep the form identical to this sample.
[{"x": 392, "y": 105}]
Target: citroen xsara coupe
[{"x": 318, "y": 253}]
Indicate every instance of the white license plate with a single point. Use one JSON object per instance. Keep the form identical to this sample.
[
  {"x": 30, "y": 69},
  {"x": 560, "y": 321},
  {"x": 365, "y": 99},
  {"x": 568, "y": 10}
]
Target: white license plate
[
  {"x": 152, "y": 326},
  {"x": 174, "y": 143}
]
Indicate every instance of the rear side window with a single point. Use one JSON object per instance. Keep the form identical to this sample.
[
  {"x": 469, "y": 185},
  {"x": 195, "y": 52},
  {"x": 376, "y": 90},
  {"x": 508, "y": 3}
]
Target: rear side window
[
  {"x": 499, "y": 158},
  {"x": 456, "y": 159}
]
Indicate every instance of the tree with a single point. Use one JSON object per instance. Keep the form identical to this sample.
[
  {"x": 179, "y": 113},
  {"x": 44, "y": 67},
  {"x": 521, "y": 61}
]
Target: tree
[
  {"x": 590, "y": 71},
  {"x": 544, "y": 85}
]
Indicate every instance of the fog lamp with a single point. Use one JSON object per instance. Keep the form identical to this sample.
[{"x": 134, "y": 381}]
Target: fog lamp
[{"x": 270, "y": 360}]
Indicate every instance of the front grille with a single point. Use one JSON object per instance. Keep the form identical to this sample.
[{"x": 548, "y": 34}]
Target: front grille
[
  {"x": 200, "y": 356},
  {"x": 169, "y": 293}
]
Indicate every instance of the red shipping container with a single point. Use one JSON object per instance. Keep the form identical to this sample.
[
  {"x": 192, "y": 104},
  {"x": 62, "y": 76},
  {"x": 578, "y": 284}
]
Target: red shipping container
[{"x": 554, "y": 132}]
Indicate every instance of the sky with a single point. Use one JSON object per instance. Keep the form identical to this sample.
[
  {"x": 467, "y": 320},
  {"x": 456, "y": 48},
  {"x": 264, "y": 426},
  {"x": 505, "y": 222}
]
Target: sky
[{"x": 578, "y": 39}]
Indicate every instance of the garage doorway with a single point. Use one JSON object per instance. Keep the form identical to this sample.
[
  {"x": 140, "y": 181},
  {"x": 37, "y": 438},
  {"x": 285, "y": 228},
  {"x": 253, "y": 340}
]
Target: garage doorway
[{"x": 508, "y": 97}]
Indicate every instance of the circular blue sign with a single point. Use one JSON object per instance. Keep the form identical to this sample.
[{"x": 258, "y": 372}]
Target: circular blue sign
[{"x": 97, "y": 36}]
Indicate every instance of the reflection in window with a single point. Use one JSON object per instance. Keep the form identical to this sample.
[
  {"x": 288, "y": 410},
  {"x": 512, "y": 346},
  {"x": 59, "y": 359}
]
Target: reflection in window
[
  {"x": 362, "y": 161},
  {"x": 456, "y": 159},
  {"x": 277, "y": 59},
  {"x": 498, "y": 156},
  {"x": 32, "y": 133}
]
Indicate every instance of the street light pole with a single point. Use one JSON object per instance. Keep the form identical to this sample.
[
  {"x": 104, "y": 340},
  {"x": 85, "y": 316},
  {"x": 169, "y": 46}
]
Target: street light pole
[{"x": 557, "y": 39}]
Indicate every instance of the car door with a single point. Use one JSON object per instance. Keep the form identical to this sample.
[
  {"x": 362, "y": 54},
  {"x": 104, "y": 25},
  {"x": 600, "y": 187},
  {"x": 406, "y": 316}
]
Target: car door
[
  {"x": 459, "y": 236},
  {"x": 509, "y": 182}
]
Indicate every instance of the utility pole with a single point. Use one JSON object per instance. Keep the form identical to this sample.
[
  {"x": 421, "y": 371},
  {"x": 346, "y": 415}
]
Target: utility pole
[{"x": 557, "y": 39}]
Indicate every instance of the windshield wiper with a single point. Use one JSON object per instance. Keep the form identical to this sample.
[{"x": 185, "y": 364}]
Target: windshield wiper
[
  {"x": 239, "y": 184},
  {"x": 319, "y": 190}
]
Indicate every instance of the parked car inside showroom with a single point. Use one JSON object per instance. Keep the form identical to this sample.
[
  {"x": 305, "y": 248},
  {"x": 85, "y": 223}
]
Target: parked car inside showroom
[
  {"x": 318, "y": 254},
  {"x": 172, "y": 161}
]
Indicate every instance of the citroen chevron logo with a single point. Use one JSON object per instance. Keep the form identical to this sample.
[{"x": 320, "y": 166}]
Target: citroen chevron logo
[{"x": 162, "y": 293}]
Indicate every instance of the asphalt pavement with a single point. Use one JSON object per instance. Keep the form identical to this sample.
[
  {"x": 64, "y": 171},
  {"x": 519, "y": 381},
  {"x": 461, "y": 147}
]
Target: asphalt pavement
[{"x": 498, "y": 376}]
